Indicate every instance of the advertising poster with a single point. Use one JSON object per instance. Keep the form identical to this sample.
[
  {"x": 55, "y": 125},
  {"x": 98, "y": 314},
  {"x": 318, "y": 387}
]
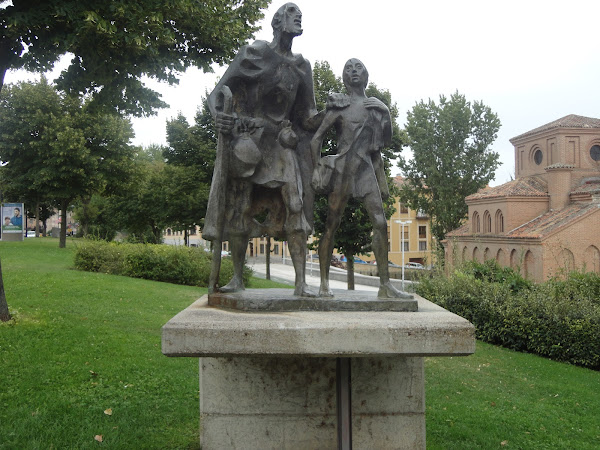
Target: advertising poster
[{"x": 12, "y": 218}]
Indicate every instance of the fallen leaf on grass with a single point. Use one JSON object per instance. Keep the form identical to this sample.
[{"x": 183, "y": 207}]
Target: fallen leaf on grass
[
  {"x": 92, "y": 373},
  {"x": 108, "y": 412},
  {"x": 503, "y": 443},
  {"x": 98, "y": 437}
]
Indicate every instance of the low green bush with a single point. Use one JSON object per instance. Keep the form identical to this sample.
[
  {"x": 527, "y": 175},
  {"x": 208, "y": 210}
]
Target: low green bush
[
  {"x": 171, "y": 264},
  {"x": 559, "y": 319}
]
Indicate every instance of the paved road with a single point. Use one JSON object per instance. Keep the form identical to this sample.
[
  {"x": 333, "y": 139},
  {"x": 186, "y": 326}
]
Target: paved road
[{"x": 285, "y": 274}]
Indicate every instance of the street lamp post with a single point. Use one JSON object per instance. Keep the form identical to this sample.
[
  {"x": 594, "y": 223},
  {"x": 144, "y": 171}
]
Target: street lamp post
[{"x": 402, "y": 223}]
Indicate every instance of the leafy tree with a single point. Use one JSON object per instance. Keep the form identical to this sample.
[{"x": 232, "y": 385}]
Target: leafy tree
[
  {"x": 140, "y": 207},
  {"x": 115, "y": 43},
  {"x": 190, "y": 160},
  {"x": 354, "y": 235},
  {"x": 451, "y": 158},
  {"x": 144, "y": 210},
  {"x": 55, "y": 149}
]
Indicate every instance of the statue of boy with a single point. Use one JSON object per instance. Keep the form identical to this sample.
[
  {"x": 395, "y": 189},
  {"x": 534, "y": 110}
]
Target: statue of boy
[
  {"x": 363, "y": 126},
  {"x": 264, "y": 106}
]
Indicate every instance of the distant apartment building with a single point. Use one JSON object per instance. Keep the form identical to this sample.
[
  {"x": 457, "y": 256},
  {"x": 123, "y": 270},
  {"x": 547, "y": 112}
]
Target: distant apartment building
[
  {"x": 545, "y": 219},
  {"x": 416, "y": 238}
]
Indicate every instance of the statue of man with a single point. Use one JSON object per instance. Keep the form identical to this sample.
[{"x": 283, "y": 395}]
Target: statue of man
[
  {"x": 272, "y": 108},
  {"x": 363, "y": 126}
]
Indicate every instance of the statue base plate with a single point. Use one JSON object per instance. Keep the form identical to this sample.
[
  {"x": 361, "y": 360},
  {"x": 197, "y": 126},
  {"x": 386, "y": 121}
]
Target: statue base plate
[{"x": 284, "y": 300}]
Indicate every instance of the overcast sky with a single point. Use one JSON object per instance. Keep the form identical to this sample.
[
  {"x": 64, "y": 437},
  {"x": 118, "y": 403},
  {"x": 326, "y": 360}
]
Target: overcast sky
[{"x": 531, "y": 61}]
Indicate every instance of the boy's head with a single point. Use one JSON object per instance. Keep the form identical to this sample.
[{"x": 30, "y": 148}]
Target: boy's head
[
  {"x": 7, "y": 220},
  {"x": 355, "y": 73}
]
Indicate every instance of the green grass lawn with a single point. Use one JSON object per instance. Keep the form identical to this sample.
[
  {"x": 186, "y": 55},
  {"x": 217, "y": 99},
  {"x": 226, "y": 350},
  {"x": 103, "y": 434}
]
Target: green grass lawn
[{"x": 84, "y": 345}]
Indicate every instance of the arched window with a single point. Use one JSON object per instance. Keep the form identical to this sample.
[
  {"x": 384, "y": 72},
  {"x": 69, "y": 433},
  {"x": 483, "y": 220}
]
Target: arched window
[
  {"x": 499, "y": 222},
  {"x": 487, "y": 222},
  {"x": 591, "y": 259},
  {"x": 464, "y": 254},
  {"x": 476, "y": 224},
  {"x": 476, "y": 254}
]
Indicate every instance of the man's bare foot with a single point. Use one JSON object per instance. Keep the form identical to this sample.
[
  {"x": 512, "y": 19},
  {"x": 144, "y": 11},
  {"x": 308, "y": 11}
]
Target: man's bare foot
[
  {"x": 235, "y": 285},
  {"x": 303, "y": 290},
  {"x": 388, "y": 290},
  {"x": 325, "y": 292}
]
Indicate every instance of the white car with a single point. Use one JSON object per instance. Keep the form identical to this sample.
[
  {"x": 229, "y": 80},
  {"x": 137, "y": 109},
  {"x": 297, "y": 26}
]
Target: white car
[{"x": 414, "y": 265}]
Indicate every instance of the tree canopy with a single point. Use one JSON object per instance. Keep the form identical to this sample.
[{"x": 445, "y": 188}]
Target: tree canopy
[
  {"x": 114, "y": 43},
  {"x": 452, "y": 158},
  {"x": 54, "y": 149}
]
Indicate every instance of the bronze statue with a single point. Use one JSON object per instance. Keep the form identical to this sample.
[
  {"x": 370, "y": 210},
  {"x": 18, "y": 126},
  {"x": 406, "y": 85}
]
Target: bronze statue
[
  {"x": 363, "y": 126},
  {"x": 263, "y": 106}
]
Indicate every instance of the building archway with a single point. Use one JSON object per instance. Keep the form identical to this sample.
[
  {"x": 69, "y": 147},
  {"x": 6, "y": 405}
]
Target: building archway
[
  {"x": 487, "y": 222},
  {"x": 487, "y": 254},
  {"x": 499, "y": 222},
  {"x": 566, "y": 260},
  {"x": 591, "y": 259},
  {"x": 528, "y": 265},
  {"x": 476, "y": 224},
  {"x": 464, "y": 254},
  {"x": 501, "y": 257},
  {"x": 514, "y": 259},
  {"x": 476, "y": 254}
]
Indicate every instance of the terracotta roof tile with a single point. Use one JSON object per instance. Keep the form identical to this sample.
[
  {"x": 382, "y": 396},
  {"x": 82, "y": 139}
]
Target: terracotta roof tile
[
  {"x": 532, "y": 186},
  {"x": 399, "y": 180},
  {"x": 551, "y": 221},
  {"x": 570, "y": 121},
  {"x": 587, "y": 187},
  {"x": 463, "y": 230}
]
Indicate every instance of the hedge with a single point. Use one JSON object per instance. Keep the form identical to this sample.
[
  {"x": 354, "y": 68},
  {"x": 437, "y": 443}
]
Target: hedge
[
  {"x": 558, "y": 319},
  {"x": 171, "y": 264}
]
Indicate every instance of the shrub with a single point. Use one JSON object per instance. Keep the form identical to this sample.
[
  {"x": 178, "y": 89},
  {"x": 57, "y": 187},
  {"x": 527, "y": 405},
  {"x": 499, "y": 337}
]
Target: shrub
[
  {"x": 178, "y": 265},
  {"x": 557, "y": 319}
]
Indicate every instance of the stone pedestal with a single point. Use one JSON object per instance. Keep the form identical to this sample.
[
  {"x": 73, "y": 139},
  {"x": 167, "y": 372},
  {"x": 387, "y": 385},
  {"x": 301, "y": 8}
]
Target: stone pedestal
[{"x": 268, "y": 380}]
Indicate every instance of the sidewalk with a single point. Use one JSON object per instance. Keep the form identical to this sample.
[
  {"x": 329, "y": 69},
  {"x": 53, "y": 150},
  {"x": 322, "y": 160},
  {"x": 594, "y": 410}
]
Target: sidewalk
[{"x": 284, "y": 273}]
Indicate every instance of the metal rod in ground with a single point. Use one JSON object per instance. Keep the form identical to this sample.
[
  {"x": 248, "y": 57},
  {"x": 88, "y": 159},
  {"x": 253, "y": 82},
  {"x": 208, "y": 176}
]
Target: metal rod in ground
[{"x": 344, "y": 404}]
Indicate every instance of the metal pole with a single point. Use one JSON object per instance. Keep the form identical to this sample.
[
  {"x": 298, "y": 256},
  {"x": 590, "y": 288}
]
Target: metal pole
[
  {"x": 344, "y": 404},
  {"x": 402, "y": 245},
  {"x": 402, "y": 223}
]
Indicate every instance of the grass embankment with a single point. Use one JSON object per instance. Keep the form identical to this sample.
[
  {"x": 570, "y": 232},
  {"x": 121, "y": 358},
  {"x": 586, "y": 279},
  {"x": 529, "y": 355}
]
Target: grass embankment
[{"x": 82, "y": 359}]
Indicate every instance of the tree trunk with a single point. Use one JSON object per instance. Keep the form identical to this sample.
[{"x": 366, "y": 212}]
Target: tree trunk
[
  {"x": 186, "y": 238},
  {"x": 4, "y": 314},
  {"x": 3, "y": 67},
  {"x": 37, "y": 219},
  {"x": 350, "y": 270},
  {"x": 268, "y": 258},
  {"x": 62, "y": 243}
]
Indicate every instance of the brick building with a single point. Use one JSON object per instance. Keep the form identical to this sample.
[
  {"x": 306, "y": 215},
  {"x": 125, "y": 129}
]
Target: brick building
[{"x": 545, "y": 219}]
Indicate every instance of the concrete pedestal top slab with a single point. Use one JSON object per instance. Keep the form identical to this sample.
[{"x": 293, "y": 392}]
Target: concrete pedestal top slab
[{"x": 201, "y": 330}]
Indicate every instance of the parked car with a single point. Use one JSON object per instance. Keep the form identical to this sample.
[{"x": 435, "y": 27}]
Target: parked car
[
  {"x": 357, "y": 260},
  {"x": 414, "y": 265},
  {"x": 391, "y": 264}
]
